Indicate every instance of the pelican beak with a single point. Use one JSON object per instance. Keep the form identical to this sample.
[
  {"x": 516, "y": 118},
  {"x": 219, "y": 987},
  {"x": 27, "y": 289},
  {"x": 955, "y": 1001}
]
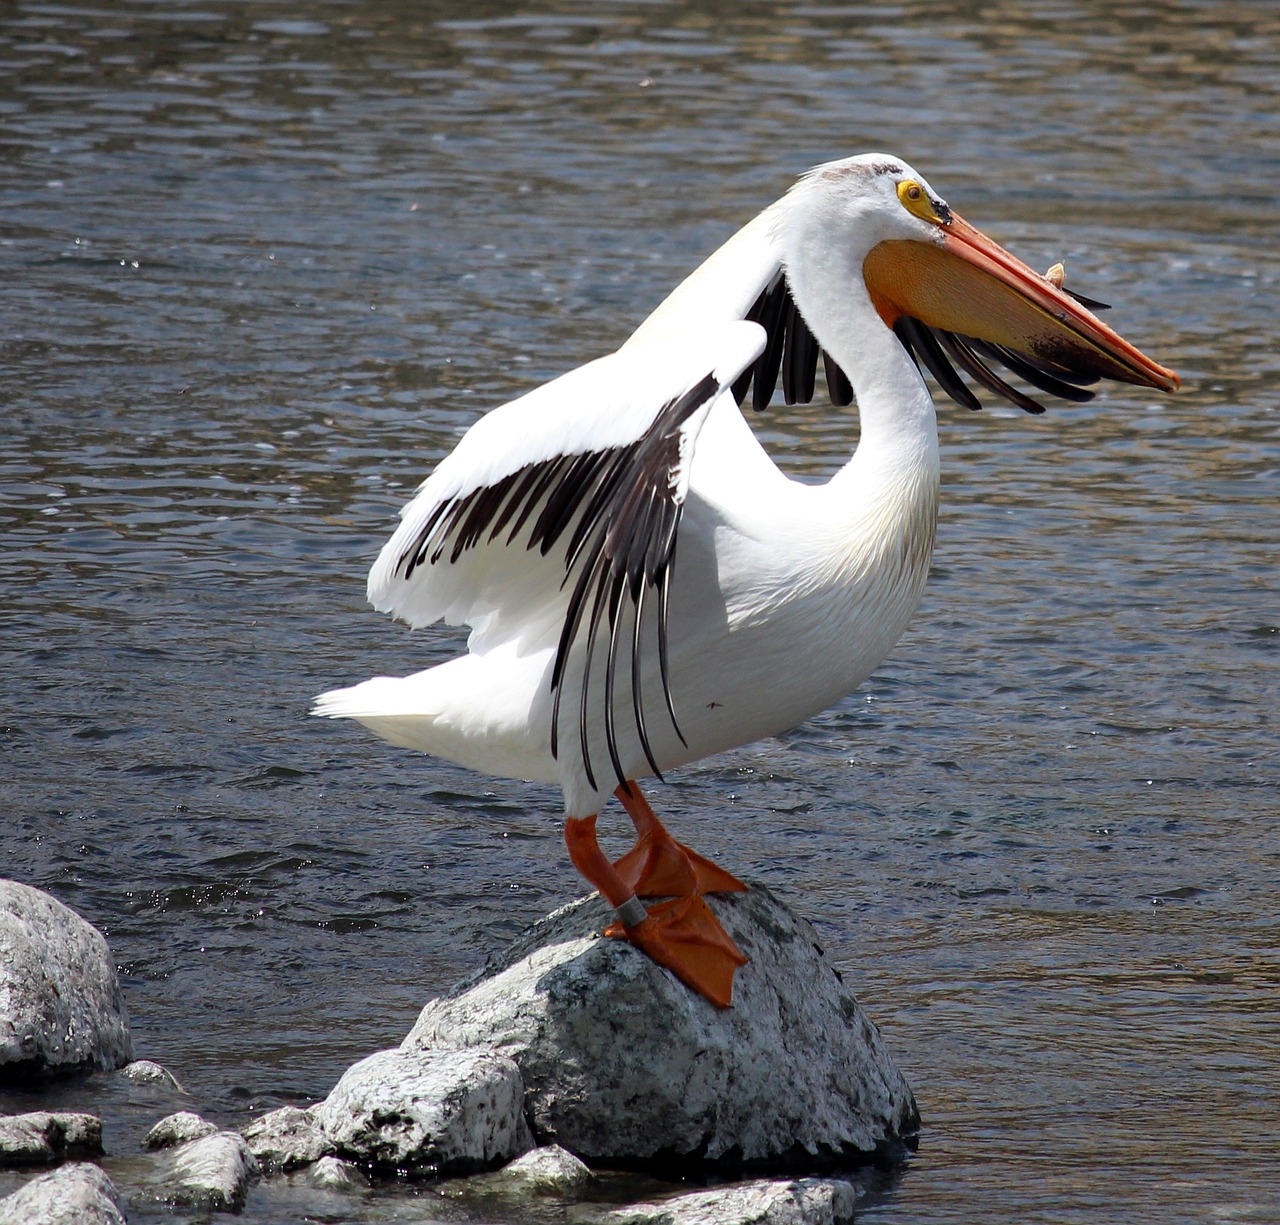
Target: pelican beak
[{"x": 966, "y": 284}]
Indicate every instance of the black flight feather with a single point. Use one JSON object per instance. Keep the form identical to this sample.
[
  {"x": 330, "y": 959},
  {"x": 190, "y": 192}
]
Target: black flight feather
[
  {"x": 921, "y": 343},
  {"x": 772, "y": 318},
  {"x": 964, "y": 356},
  {"x": 792, "y": 351}
]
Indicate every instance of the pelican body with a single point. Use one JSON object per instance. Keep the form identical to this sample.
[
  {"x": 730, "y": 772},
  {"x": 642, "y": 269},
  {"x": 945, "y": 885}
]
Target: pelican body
[{"x": 645, "y": 588}]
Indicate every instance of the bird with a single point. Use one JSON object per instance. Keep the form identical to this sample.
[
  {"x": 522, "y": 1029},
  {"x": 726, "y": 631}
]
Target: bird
[{"x": 645, "y": 587}]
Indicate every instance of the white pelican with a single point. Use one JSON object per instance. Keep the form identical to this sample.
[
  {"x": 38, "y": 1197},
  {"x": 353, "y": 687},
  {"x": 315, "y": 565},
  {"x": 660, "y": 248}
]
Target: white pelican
[{"x": 644, "y": 587}]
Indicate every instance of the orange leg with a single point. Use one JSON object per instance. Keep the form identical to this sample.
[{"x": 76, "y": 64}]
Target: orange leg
[
  {"x": 682, "y": 934},
  {"x": 658, "y": 865}
]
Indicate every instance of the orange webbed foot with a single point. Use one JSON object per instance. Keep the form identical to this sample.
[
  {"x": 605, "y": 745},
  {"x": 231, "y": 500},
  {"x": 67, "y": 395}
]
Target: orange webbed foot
[
  {"x": 659, "y": 866},
  {"x": 686, "y": 938}
]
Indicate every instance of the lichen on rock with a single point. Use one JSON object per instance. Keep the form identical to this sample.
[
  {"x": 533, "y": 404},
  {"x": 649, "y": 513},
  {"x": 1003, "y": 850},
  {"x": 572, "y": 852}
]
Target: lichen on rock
[
  {"x": 623, "y": 1064},
  {"x": 61, "y": 1008}
]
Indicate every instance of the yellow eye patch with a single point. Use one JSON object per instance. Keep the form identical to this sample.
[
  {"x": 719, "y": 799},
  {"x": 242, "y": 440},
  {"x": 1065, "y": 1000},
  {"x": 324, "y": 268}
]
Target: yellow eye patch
[{"x": 916, "y": 201}]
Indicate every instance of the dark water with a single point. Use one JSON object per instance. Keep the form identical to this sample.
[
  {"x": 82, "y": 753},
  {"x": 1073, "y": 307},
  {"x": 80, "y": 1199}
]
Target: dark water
[{"x": 264, "y": 261}]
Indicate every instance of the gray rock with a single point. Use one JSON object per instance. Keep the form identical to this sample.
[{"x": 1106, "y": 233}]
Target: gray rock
[
  {"x": 448, "y": 1112},
  {"x": 180, "y": 1128},
  {"x": 212, "y": 1174},
  {"x": 334, "y": 1174},
  {"x": 287, "y": 1138},
  {"x": 46, "y": 1137},
  {"x": 808, "y": 1201},
  {"x": 551, "y": 1170},
  {"x": 622, "y": 1062},
  {"x": 78, "y": 1194},
  {"x": 61, "y": 1009},
  {"x": 144, "y": 1072}
]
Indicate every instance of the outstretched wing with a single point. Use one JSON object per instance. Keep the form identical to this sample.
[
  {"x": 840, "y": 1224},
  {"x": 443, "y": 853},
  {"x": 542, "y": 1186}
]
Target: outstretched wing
[{"x": 557, "y": 509}]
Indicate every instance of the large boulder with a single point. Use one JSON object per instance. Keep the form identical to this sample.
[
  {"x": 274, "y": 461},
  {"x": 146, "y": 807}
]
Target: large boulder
[
  {"x": 61, "y": 1009},
  {"x": 623, "y": 1065}
]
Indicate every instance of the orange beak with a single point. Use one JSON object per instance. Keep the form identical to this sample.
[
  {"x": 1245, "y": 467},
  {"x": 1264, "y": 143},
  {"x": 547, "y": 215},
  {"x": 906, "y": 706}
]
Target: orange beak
[{"x": 970, "y": 286}]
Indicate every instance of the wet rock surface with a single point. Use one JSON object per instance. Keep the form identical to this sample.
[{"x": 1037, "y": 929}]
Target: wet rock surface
[
  {"x": 45, "y": 1137},
  {"x": 551, "y": 1170},
  {"x": 439, "y": 1112},
  {"x": 334, "y": 1174},
  {"x": 61, "y": 1008},
  {"x": 287, "y": 1139},
  {"x": 180, "y": 1128},
  {"x": 571, "y": 1073},
  {"x": 78, "y": 1194},
  {"x": 211, "y": 1174},
  {"x": 807, "y": 1201},
  {"x": 622, "y": 1064},
  {"x": 145, "y": 1072}
]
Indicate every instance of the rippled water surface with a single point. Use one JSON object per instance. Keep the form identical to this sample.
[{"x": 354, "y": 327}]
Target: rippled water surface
[{"x": 263, "y": 262}]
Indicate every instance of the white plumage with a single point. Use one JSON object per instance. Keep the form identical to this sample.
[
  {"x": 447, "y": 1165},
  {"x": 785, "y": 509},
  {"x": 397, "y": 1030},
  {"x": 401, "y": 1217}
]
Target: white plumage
[{"x": 644, "y": 587}]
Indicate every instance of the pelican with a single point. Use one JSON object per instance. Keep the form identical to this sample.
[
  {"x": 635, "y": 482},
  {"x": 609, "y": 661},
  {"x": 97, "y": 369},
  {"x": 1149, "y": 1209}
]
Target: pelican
[{"x": 644, "y": 587}]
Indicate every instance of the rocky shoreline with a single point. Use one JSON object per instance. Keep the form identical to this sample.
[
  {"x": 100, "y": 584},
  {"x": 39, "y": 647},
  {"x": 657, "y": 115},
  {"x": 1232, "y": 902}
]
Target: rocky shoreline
[{"x": 567, "y": 1057}]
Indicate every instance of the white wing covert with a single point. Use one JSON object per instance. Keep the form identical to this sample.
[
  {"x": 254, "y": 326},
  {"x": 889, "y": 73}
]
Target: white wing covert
[{"x": 556, "y": 509}]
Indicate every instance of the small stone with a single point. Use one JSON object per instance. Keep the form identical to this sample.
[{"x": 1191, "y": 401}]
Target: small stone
[
  {"x": 61, "y": 1008},
  {"x": 550, "y": 1170},
  {"x": 444, "y": 1112},
  {"x": 46, "y": 1137},
  {"x": 180, "y": 1128},
  {"x": 286, "y": 1139},
  {"x": 211, "y": 1174},
  {"x": 77, "y": 1194},
  {"x": 806, "y": 1201},
  {"x": 144, "y": 1072},
  {"x": 334, "y": 1174}
]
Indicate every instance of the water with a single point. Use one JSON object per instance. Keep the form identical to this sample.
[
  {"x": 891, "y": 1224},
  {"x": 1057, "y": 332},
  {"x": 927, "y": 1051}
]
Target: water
[{"x": 265, "y": 261}]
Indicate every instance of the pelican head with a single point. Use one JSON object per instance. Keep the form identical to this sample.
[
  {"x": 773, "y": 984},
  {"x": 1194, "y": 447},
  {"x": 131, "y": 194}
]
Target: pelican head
[{"x": 950, "y": 293}]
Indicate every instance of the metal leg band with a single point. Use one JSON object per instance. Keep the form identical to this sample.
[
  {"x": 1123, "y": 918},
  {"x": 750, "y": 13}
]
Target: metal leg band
[{"x": 631, "y": 913}]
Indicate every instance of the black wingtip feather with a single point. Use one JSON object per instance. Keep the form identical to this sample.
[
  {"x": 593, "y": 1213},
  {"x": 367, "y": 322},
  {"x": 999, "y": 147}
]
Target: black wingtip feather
[
  {"x": 839, "y": 389},
  {"x": 773, "y": 313},
  {"x": 965, "y": 356},
  {"x": 622, "y": 544},
  {"x": 1036, "y": 373},
  {"x": 919, "y": 340}
]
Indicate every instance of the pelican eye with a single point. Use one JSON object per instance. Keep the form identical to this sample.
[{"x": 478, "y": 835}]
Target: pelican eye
[{"x": 916, "y": 201}]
